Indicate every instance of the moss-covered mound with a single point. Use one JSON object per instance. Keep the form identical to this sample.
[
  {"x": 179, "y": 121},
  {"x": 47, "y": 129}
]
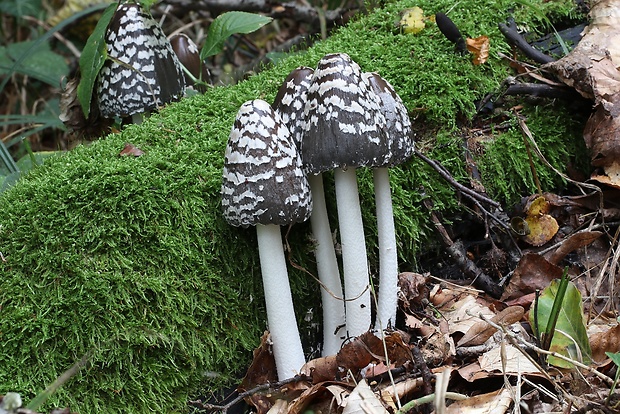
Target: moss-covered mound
[{"x": 128, "y": 259}]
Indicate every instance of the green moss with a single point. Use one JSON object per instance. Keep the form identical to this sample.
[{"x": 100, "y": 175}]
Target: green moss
[
  {"x": 130, "y": 258},
  {"x": 505, "y": 165}
]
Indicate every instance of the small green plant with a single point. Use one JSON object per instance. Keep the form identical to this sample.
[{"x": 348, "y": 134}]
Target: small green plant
[
  {"x": 558, "y": 322},
  {"x": 94, "y": 55}
]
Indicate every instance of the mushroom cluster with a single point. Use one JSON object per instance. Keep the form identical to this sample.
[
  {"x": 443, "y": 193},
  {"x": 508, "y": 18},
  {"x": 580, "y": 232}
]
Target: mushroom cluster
[{"x": 332, "y": 118}]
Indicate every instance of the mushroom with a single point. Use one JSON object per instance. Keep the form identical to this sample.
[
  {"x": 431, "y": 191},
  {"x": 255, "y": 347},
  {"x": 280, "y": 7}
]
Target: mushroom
[
  {"x": 345, "y": 129},
  {"x": 141, "y": 72},
  {"x": 264, "y": 186},
  {"x": 290, "y": 102},
  {"x": 400, "y": 148},
  {"x": 196, "y": 72}
]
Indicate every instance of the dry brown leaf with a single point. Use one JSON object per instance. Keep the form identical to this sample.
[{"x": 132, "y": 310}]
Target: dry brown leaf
[
  {"x": 572, "y": 243},
  {"x": 363, "y": 400},
  {"x": 592, "y": 69},
  {"x": 321, "y": 369},
  {"x": 515, "y": 361},
  {"x": 131, "y": 149},
  {"x": 533, "y": 272},
  {"x": 496, "y": 402},
  {"x": 262, "y": 370},
  {"x": 358, "y": 353},
  {"x": 323, "y": 397},
  {"x": 482, "y": 331},
  {"x": 479, "y": 47},
  {"x": 414, "y": 291},
  {"x": 606, "y": 341}
]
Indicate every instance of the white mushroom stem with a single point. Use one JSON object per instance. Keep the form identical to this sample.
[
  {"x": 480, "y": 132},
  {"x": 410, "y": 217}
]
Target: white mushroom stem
[
  {"x": 354, "y": 259},
  {"x": 287, "y": 349},
  {"x": 388, "y": 257},
  {"x": 327, "y": 267}
]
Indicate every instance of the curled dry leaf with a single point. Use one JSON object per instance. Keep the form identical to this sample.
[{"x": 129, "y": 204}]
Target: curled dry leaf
[
  {"x": 261, "y": 371},
  {"x": 413, "y": 290},
  {"x": 479, "y": 47},
  {"x": 605, "y": 341},
  {"x": 321, "y": 369},
  {"x": 542, "y": 227},
  {"x": 482, "y": 331},
  {"x": 493, "y": 402},
  {"x": 533, "y": 272},
  {"x": 131, "y": 149},
  {"x": 363, "y": 400},
  {"x": 357, "y": 354}
]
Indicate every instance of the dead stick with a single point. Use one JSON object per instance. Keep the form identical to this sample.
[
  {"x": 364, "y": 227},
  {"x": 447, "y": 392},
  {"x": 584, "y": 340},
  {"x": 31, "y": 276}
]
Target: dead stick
[{"x": 457, "y": 251}]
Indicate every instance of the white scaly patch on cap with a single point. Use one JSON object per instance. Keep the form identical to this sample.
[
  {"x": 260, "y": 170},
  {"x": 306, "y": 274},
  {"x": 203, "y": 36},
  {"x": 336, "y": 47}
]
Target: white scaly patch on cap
[
  {"x": 263, "y": 181},
  {"x": 344, "y": 126},
  {"x": 290, "y": 101},
  {"x": 150, "y": 75},
  {"x": 398, "y": 124}
]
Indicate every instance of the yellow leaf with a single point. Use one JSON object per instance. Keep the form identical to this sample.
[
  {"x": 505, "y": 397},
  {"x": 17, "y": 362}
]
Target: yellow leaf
[{"x": 412, "y": 20}]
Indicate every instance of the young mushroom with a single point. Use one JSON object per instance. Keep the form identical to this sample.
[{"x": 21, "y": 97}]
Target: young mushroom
[
  {"x": 290, "y": 102},
  {"x": 345, "y": 129},
  {"x": 141, "y": 72},
  {"x": 196, "y": 72},
  {"x": 264, "y": 186},
  {"x": 400, "y": 148}
]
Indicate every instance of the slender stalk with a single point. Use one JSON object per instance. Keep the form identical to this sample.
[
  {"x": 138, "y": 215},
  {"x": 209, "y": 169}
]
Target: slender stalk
[
  {"x": 327, "y": 266},
  {"x": 287, "y": 349},
  {"x": 388, "y": 257},
  {"x": 354, "y": 258}
]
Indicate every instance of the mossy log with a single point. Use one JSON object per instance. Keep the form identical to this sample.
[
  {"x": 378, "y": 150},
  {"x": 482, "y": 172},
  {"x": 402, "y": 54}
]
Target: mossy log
[{"x": 130, "y": 260}]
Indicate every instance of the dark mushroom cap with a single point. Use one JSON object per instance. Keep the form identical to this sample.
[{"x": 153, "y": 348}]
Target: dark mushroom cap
[
  {"x": 290, "y": 101},
  {"x": 398, "y": 125},
  {"x": 344, "y": 126},
  {"x": 263, "y": 181},
  {"x": 189, "y": 55},
  {"x": 150, "y": 75}
]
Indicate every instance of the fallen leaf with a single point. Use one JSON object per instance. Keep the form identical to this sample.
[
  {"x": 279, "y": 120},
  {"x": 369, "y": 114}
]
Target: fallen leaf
[
  {"x": 479, "y": 47},
  {"x": 496, "y": 402},
  {"x": 412, "y": 20},
  {"x": 572, "y": 243},
  {"x": 363, "y": 401},
  {"x": 131, "y": 149},
  {"x": 533, "y": 273},
  {"x": 516, "y": 362},
  {"x": 606, "y": 341},
  {"x": 482, "y": 331},
  {"x": 542, "y": 227},
  {"x": 321, "y": 369}
]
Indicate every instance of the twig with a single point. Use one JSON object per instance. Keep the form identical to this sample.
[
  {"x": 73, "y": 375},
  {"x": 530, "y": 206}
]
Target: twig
[
  {"x": 511, "y": 33},
  {"x": 261, "y": 387},
  {"x": 457, "y": 251}
]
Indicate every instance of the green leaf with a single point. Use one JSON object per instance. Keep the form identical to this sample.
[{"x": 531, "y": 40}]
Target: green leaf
[
  {"x": 227, "y": 24},
  {"x": 36, "y": 61},
  {"x": 570, "y": 337},
  {"x": 92, "y": 59},
  {"x": 19, "y": 8}
]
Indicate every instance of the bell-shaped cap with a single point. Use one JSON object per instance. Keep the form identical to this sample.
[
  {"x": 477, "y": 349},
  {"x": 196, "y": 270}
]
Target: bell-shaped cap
[
  {"x": 344, "y": 126},
  {"x": 263, "y": 181},
  {"x": 398, "y": 125},
  {"x": 149, "y": 74},
  {"x": 290, "y": 101}
]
